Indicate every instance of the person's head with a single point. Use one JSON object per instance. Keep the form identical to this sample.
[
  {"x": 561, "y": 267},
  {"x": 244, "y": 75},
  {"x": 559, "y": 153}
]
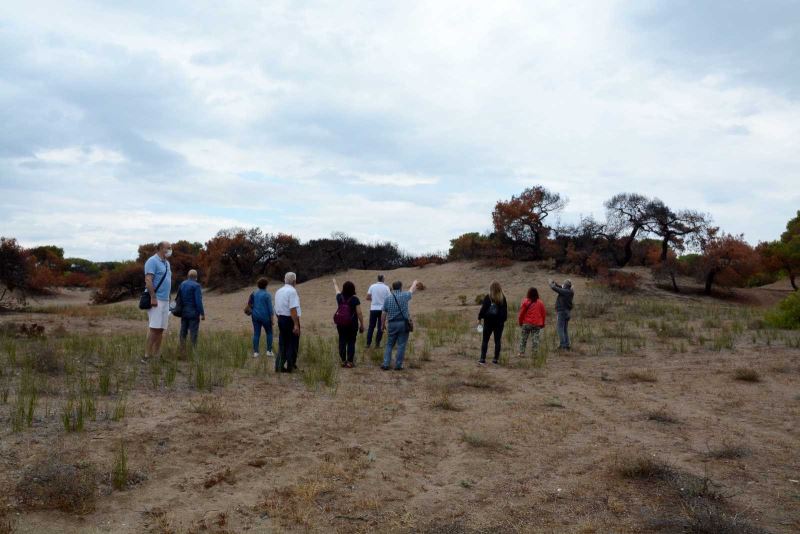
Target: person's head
[
  {"x": 348, "y": 289},
  {"x": 533, "y": 294},
  {"x": 192, "y": 274},
  {"x": 567, "y": 284},
  {"x": 262, "y": 283},
  {"x": 164, "y": 249},
  {"x": 397, "y": 286},
  {"x": 380, "y": 278},
  {"x": 290, "y": 279},
  {"x": 496, "y": 292}
]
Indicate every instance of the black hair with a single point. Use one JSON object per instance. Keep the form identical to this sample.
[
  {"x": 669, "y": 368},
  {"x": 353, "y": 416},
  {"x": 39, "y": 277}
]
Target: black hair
[
  {"x": 397, "y": 286},
  {"x": 533, "y": 294},
  {"x": 262, "y": 283}
]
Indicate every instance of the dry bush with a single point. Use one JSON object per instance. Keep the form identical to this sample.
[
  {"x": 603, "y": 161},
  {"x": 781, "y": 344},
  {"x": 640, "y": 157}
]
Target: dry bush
[
  {"x": 54, "y": 485},
  {"x": 729, "y": 452},
  {"x": 619, "y": 280},
  {"x": 219, "y": 477},
  {"x": 643, "y": 375},
  {"x": 661, "y": 416},
  {"x": 443, "y": 402},
  {"x": 293, "y": 504},
  {"x": 746, "y": 374},
  {"x": 644, "y": 468},
  {"x": 497, "y": 262},
  {"x": 47, "y": 359},
  {"x": 479, "y": 379},
  {"x": 480, "y": 441}
]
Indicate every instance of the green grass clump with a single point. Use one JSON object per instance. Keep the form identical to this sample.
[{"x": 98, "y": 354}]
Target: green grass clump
[
  {"x": 319, "y": 362},
  {"x": 119, "y": 473},
  {"x": 786, "y": 314}
]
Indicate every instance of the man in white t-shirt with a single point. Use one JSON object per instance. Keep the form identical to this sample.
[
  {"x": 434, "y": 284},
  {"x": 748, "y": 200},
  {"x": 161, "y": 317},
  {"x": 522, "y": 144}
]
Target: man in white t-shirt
[
  {"x": 287, "y": 308},
  {"x": 376, "y": 294}
]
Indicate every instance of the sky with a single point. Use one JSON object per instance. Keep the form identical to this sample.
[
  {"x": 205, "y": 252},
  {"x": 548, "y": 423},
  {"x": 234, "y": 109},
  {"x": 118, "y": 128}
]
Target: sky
[{"x": 129, "y": 122}]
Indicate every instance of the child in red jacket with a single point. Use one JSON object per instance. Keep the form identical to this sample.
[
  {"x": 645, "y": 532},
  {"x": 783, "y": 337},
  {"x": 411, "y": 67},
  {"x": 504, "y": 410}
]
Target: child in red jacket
[{"x": 531, "y": 319}]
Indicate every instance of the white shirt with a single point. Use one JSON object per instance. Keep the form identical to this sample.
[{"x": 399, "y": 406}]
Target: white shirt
[
  {"x": 287, "y": 298},
  {"x": 378, "y": 291}
]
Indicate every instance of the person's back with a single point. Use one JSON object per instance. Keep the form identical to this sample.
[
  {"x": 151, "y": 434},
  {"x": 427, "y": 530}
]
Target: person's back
[
  {"x": 191, "y": 299},
  {"x": 532, "y": 312},
  {"x": 378, "y": 293},
  {"x": 262, "y": 305},
  {"x": 564, "y": 298}
]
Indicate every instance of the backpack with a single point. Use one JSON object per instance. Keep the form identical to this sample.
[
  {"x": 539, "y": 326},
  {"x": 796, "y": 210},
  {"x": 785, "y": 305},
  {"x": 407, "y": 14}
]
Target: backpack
[
  {"x": 493, "y": 310},
  {"x": 344, "y": 314}
]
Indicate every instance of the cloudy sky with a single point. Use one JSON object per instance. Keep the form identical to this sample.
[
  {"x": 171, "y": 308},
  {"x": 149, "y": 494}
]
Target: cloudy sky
[{"x": 128, "y": 122}]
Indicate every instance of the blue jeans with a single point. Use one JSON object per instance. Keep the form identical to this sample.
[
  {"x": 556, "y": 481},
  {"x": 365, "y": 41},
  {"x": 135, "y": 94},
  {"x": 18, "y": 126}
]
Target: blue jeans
[
  {"x": 258, "y": 324},
  {"x": 562, "y": 322},
  {"x": 397, "y": 336},
  {"x": 189, "y": 326}
]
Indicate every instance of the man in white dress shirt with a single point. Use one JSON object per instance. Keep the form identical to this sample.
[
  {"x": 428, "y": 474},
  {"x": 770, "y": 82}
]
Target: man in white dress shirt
[{"x": 287, "y": 308}]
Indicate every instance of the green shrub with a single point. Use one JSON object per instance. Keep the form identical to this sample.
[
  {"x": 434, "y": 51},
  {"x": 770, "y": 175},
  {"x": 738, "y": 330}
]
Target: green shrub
[{"x": 786, "y": 314}]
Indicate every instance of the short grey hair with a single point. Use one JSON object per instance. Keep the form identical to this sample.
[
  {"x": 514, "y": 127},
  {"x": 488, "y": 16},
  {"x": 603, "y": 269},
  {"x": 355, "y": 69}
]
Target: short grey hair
[
  {"x": 192, "y": 274},
  {"x": 290, "y": 278},
  {"x": 567, "y": 283}
]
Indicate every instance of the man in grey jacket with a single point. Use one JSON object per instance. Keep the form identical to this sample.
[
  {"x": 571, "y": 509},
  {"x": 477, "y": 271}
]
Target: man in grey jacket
[{"x": 563, "y": 310}]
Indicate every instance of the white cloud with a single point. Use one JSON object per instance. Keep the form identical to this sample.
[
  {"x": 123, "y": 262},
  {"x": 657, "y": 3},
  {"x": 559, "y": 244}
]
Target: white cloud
[{"x": 427, "y": 113}]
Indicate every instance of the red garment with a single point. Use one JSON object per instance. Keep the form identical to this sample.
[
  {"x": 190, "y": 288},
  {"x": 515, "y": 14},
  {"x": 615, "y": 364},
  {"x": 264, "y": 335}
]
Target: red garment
[{"x": 532, "y": 313}]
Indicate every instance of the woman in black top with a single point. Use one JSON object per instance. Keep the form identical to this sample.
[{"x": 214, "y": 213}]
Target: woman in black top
[
  {"x": 494, "y": 312},
  {"x": 348, "y": 326}
]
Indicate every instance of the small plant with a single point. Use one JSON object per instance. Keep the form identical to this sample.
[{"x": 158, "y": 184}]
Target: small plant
[
  {"x": 480, "y": 441},
  {"x": 554, "y": 402},
  {"x": 54, "y": 485},
  {"x": 320, "y": 363},
  {"x": 644, "y": 468},
  {"x": 462, "y": 299},
  {"x": 119, "y": 409},
  {"x": 729, "y": 452},
  {"x": 444, "y": 402},
  {"x": 746, "y": 374},
  {"x": 661, "y": 416},
  {"x": 645, "y": 375},
  {"x": 119, "y": 474},
  {"x": 479, "y": 379}
]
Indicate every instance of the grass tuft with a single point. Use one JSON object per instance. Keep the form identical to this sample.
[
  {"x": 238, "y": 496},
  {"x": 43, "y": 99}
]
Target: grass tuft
[{"x": 746, "y": 374}]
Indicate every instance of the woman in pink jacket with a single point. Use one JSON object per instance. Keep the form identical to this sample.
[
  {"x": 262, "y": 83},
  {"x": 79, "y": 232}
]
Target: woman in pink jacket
[{"x": 531, "y": 320}]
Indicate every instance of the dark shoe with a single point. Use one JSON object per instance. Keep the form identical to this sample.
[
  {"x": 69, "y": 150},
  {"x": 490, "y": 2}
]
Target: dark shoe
[
  {"x": 496, "y": 362},
  {"x": 349, "y": 365},
  {"x": 398, "y": 368},
  {"x": 344, "y": 364},
  {"x": 385, "y": 367},
  {"x": 481, "y": 362}
]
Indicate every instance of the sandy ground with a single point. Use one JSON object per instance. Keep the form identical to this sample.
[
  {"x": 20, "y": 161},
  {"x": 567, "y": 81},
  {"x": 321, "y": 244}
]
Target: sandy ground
[{"x": 534, "y": 450}]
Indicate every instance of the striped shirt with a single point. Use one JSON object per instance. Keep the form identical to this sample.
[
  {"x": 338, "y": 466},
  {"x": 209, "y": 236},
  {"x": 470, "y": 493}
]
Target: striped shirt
[{"x": 396, "y": 305}]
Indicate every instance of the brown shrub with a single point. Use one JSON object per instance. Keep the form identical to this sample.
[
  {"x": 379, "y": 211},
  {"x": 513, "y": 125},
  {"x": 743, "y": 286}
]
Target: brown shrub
[
  {"x": 619, "y": 280},
  {"x": 54, "y": 485}
]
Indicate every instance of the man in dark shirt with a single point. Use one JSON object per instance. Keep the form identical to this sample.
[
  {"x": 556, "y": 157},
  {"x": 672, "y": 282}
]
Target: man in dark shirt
[
  {"x": 192, "y": 312},
  {"x": 563, "y": 311}
]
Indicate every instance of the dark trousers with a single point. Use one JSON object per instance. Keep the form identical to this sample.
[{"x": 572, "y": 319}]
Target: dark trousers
[
  {"x": 288, "y": 345},
  {"x": 189, "y": 326},
  {"x": 347, "y": 342},
  {"x": 492, "y": 328},
  {"x": 375, "y": 319}
]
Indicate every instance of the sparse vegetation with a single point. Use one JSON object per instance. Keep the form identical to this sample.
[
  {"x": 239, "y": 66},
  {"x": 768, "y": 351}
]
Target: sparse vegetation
[
  {"x": 746, "y": 374},
  {"x": 52, "y": 484}
]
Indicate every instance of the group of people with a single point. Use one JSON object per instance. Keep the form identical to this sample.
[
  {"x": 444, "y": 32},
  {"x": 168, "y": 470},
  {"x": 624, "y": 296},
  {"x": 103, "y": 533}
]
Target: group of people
[
  {"x": 389, "y": 316},
  {"x": 493, "y": 315}
]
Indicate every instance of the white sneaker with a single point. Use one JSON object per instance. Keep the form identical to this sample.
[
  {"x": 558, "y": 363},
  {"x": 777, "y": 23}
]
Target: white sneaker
[
  {"x": 270, "y": 354},
  {"x": 255, "y": 355}
]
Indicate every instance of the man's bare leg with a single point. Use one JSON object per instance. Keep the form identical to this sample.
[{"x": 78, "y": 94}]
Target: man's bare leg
[{"x": 154, "y": 336}]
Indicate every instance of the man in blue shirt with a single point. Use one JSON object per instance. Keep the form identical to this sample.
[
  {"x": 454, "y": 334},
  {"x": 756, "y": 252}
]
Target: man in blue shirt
[
  {"x": 395, "y": 315},
  {"x": 158, "y": 279},
  {"x": 192, "y": 312}
]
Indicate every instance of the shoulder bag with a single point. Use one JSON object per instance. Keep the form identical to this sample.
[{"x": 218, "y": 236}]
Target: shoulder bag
[
  {"x": 144, "y": 299},
  {"x": 408, "y": 321}
]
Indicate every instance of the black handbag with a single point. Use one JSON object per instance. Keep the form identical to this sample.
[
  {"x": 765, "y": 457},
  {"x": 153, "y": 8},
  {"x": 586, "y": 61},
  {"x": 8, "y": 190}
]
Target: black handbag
[
  {"x": 408, "y": 321},
  {"x": 144, "y": 298},
  {"x": 177, "y": 309}
]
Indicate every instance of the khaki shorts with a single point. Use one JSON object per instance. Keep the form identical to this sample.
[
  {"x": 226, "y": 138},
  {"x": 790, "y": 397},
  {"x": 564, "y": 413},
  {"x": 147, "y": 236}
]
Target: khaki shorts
[{"x": 158, "y": 317}]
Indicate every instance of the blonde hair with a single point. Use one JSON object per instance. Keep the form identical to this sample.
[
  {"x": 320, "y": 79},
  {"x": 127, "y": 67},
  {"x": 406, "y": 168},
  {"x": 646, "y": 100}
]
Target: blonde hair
[{"x": 496, "y": 293}]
